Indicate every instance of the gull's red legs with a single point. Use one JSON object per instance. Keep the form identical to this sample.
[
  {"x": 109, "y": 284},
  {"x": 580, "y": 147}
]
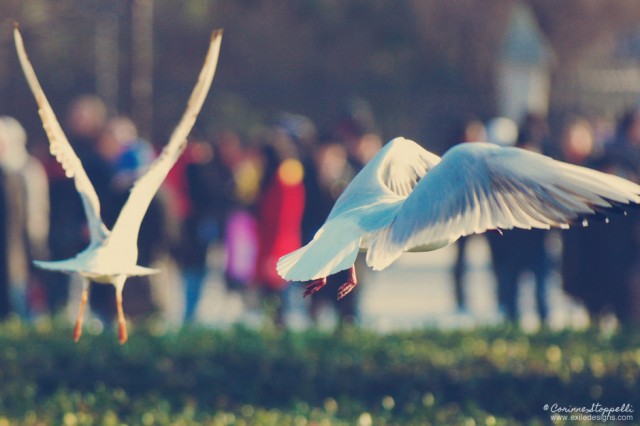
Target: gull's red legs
[
  {"x": 351, "y": 283},
  {"x": 77, "y": 329},
  {"x": 343, "y": 290},
  {"x": 314, "y": 286}
]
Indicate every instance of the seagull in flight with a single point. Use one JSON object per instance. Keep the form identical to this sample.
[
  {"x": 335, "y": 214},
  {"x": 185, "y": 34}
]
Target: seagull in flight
[
  {"x": 407, "y": 199},
  {"x": 112, "y": 255}
]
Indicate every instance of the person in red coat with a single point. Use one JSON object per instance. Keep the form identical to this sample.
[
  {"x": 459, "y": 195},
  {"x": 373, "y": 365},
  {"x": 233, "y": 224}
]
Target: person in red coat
[{"x": 279, "y": 212}]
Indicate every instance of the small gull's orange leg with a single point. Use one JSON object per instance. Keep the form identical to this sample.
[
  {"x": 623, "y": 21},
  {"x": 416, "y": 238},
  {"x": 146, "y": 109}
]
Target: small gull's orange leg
[
  {"x": 122, "y": 324},
  {"x": 346, "y": 288},
  {"x": 77, "y": 329}
]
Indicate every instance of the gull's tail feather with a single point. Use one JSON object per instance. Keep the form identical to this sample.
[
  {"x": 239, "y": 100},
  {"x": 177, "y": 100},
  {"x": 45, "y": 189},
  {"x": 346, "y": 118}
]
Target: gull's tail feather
[{"x": 320, "y": 257}]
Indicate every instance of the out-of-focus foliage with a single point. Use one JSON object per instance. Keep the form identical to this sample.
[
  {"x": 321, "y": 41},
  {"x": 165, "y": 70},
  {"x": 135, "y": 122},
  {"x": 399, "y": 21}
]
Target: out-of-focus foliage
[{"x": 239, "y": 376}]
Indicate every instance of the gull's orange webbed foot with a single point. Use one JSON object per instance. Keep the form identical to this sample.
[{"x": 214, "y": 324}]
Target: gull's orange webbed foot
[
  {"x": 314, "y": 286},
  {"x": 346, "y": 288}
]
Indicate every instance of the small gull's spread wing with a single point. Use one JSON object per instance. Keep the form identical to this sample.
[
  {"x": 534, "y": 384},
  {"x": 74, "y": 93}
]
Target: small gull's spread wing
[
  {"x": 367, "y": 205},
  {"x": 61, "y": 149},
  {"x": 479, "y": 186},
  {"x": 125, "y": 231}
]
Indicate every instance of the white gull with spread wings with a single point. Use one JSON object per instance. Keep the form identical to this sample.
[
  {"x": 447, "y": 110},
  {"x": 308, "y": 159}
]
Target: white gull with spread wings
[
  {"x": 112, "y": 256},
  {"x": 408, "y": 199}
]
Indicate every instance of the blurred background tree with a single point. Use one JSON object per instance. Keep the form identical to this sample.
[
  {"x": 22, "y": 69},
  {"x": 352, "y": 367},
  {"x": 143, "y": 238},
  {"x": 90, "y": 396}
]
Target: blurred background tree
[{"x": 421, "y": 65}]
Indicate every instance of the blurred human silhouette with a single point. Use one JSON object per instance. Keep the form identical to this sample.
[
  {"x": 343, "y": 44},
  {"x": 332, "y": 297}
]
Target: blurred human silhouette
[
  {"x": 210, "y": 191},
  {"x": 27, "y": 288},
  {"x": 128, "y": 156},
  {"x": 518, "y": 251},
  {"x": 598, "y": 262},
  {"x": 577, "y": 143},
  {"x": 327, "y": 174},
  {"x": 279, "y": 210},
  {"x": 358, "y": 132},
  {"x": 68, "y": 234},
  {"x": 241, "y": 181},
  {"x": 14, "y": 235},
  {"x": 12, "y": 211},
  {"x": 622, "y": 157},
  {"x": 468, "y": 130}
]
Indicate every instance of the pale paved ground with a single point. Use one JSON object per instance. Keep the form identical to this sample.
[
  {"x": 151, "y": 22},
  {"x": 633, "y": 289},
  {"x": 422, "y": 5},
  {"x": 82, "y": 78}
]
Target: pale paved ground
[{"x": 414, "y": 292}]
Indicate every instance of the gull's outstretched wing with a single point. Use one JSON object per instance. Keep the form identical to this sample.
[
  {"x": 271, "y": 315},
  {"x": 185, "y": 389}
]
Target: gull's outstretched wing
[
  {"x": 479, "y": 186},
  {"x": 125, "y": 230},
  {"x": 390, "y": 176},
  {"x": 367, "y": 205},
  {"x": 61, "y": 149}
]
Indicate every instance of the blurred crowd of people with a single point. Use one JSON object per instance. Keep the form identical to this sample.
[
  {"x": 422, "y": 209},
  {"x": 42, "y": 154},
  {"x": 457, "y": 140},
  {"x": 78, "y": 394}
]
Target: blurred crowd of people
[
  {"x": 598, "y": 260},
  {"x": 260, "y": 198}
]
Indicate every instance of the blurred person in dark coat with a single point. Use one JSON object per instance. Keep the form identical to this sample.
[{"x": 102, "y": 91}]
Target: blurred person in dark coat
[
  {"x": 599, "y": 261},
  {"x": 469, "y": 130},
  {"x": 68, "y": 234},
  {"x": 327, "y": 174},
  {"x": 358, "y": 132},
  {"x": 209, "y": 189},
  {"x": 517, "y": 251}
]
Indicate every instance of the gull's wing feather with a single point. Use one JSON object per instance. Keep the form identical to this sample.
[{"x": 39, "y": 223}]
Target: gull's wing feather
[
  {"x": 390, "y": 176},
  {"x": 479, "y": 186},
  {"x": 61, "y": 149},
  {"x": 125, "y": 231}
]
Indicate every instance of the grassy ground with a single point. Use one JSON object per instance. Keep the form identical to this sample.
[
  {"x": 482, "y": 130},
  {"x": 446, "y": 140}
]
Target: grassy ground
[{"x": 352, "y": 377}]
